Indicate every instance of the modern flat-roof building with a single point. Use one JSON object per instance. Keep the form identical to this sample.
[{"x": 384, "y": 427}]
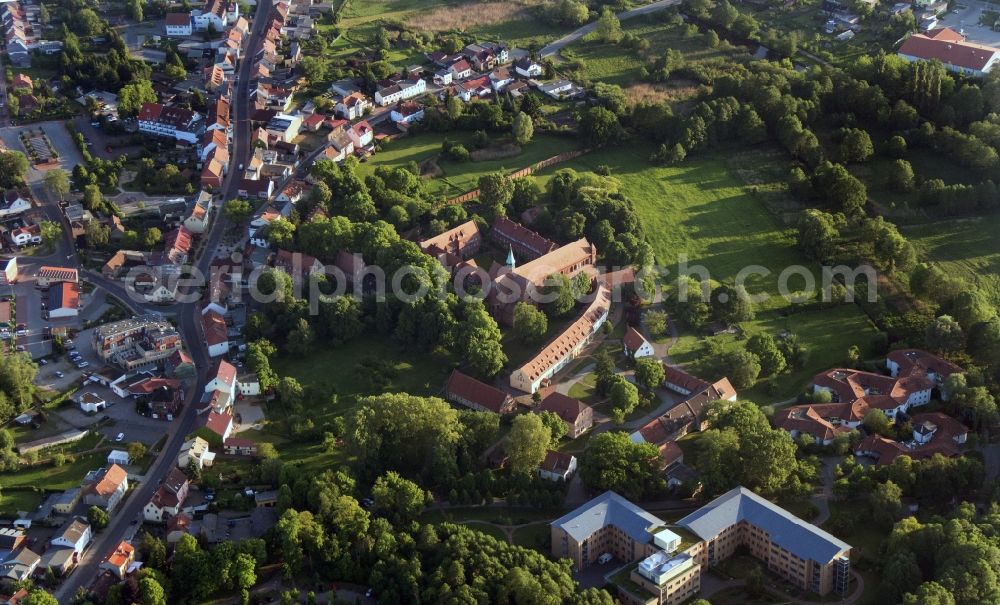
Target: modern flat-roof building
[{"x": 663, "y": 563}]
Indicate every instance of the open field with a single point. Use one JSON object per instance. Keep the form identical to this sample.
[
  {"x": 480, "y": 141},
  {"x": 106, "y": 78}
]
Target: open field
[
  {"x": 459, "y": 178},
  {"x": 512, "y": 22},
  {"x": 968, "y": 248},
  {"x": 614, "y": 64},
  {"x": 700, "y": 210},
  {"x": 43, "y": 477}
]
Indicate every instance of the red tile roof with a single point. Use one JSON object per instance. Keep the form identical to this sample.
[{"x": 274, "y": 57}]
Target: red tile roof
[
  {"x": 948, "y": 51},
  {"x": 122, "y": 555},
  {"x": 523, "y": 236},
  {"x": 556, "y": 462},
  {"x": 564, "y": 406},
  {"x": 468, "y": 388},
  {"x": 633, "y": 339},
  {"x": 110, "y": 481},
  {"x": 178, "y": 19},
  {"x": 214, "y": 325},
  {"x": 224, "y": 371},
  {"x": 218, "y": 423}
]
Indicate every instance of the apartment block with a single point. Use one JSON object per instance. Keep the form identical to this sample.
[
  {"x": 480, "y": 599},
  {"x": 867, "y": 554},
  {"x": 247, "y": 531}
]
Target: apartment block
[{"x": 661, "y": 564}]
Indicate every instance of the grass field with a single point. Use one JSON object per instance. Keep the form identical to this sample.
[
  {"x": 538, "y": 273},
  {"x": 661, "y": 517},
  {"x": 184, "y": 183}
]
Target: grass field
[
  {"x": 335, "y": 370},
  {"x": 46, "y": 477},
  {"x": 699, "y": 210},
  {"x": 459, "y": 178},
  {"x": 968, "y": 248},
  {"x": 611, "y": 63}
]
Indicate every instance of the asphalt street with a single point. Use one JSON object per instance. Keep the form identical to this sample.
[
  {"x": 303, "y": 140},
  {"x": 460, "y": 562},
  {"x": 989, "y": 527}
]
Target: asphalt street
[{"x": 122, "y": 521}]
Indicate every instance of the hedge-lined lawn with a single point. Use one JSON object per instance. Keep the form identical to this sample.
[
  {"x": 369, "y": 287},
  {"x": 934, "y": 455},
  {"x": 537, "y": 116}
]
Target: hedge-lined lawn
[
  {"x": 968, "y": 248},
  {"x": 11, "y": 502},
  {"x": 54, "y": 477},
  {"x": 700, "y": 210},
  {"x": 457, "y": 179}
]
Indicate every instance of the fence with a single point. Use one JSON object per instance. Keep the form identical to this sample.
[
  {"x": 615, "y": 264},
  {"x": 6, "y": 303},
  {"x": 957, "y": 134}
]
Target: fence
[{"x": 556, "y": 159}]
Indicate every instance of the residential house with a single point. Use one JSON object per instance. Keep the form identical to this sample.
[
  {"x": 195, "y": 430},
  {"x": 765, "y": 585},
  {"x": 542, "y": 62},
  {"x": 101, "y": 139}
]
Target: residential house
[
  {"x": 484, "y": 56},
  {"x": 477, "y": 88},
  {"x": 393, "y": 91},
  {"x": 195, "y": 451},
  {"x": 222, "y": 379},
  {"x": 557, "y": 89},
  {"x": 120, "y": 560},
  {"x": 352, "y": 106},
  {"x": 197, "y": 221},
  {"x": 526, "y": 67},
  {"x": 577, "y": 416},
  {"x": 75, "y": 535},
  {"x": 460, "y": 70},
  {"x": 66, "y": 502},
  {"x": 933, "y": 433},
  {"x": 362, "y": 134},
  {"x": 472, "y": 393},
  {"x": 407, "y": 112},
  {"x": 219, "y": 424},
  {"x": 557, "y": 466},
  {"x": 108, "y": 488},
  {"x": 216, "y": 15},
  {"x": 168, "y": 499},
  {"x": 15, "y": 201},
  {"x": 635, "y": 344},
  {"x": 248, "y": 385},
  {"x": 215, "y": 333},
  {"x": 28, "y": 235},
  {"x": 179, "y": 25},
  {"x": 20, "y": 566},
  {"x": 500, "y": 78}
]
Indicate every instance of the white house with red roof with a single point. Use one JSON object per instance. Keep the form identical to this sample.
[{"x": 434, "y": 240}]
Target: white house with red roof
[
  {"x": 636, "y": 345},
  {"x": 362, "y": 134},
  {"x": 951, "y": 49},
  {"x": 179, "y": 25},
  {"x": 215, "y": 332}
]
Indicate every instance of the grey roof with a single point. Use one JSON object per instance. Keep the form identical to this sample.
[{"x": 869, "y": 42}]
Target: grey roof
[
  {"x": 608, "y": 509},
  {"x": 802, "y": 539}
]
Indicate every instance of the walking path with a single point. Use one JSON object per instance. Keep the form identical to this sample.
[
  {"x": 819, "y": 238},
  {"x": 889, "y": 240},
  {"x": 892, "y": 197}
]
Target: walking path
[
  {"x": 555, "y": 47},
  {"x": 822, "y": 500}
]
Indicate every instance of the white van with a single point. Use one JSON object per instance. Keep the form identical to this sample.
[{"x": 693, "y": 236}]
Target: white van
[{"x": 604, "y": 559}]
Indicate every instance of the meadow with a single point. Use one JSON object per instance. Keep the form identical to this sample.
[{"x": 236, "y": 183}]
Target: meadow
[
  {"x": 699, "y": 210},
  {"x": 968, "y": 248},
  {"x": 456, "y": 179}
]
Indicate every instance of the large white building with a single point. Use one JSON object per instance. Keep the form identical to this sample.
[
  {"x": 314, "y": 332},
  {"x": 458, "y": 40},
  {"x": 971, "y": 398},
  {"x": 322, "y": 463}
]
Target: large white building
[
  {"x": 952, "y": 50},
  {"x": 162, "y": 121}
]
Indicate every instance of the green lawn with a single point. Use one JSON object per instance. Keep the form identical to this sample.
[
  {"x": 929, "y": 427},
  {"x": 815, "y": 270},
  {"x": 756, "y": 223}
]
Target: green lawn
[
  {"x": 968, "y": 248},
  {"x": 700, "y": 210},
  {"x": 12, "y": 502},
  {"x": 51, "y": 477},
  {"x": 534, "y": 536},
  {"x": 336, "y": 370},
  {"x": 459, "y": 178}
]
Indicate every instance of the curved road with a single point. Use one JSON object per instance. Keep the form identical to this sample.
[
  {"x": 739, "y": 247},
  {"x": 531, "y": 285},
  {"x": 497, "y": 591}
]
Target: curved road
[
  {"x": 555, "y": 47},
  {"x": 108, "y": 539}
]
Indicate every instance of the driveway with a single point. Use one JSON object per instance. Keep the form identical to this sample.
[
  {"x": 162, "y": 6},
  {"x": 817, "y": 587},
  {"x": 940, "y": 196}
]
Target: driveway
[{"x": 568, "y": 39}]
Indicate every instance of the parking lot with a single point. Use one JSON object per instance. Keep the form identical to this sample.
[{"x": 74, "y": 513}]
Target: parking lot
[
  {"x": 966, "y": 20},
  {"x": 121, "y": 413}
]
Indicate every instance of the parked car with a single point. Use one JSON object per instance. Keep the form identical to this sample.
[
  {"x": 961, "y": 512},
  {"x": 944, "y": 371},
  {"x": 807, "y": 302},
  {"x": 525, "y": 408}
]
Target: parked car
[
  {"x": 120, "y": 437},
  {"x": 43, "y": 362},
  {"x": 60, "y": 375},
  {"x": 83, "y": 364},
  {"x": 604, "y": 559}
]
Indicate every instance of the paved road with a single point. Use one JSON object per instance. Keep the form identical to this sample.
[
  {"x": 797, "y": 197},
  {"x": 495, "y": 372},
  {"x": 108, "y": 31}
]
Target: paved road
[
  {"x": 822, "y": 500},
  {"x": 121, "y": 522},
  {"x": 570, "y": 38}
]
